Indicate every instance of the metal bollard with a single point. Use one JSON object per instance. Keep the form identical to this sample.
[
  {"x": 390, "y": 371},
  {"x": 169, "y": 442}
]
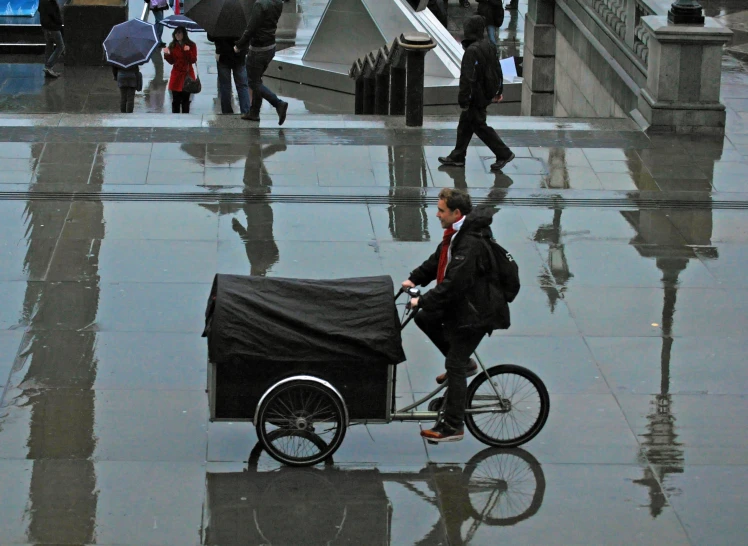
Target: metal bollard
[{"x": 416, "y": 45}]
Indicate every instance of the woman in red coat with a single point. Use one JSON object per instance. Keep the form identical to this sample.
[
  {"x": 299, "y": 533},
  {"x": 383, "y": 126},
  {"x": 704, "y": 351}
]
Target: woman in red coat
[{"x": 182, "y": 53}]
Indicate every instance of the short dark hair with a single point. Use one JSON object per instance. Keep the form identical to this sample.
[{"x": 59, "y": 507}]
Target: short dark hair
[{"x": 457, "y": 199}]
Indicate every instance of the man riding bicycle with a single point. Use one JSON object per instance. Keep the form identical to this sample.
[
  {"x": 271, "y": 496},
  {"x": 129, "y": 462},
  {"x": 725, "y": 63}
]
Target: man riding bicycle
[{"x": 458, "y": 311}]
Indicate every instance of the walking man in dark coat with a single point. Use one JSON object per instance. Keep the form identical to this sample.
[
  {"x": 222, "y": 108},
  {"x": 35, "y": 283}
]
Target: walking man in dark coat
[
  {"x": 457, "y": 312},
  {"x": 479, "y": 53},
  {"x": 260, "y": 36},
  {"x": 51, "y": 21}
]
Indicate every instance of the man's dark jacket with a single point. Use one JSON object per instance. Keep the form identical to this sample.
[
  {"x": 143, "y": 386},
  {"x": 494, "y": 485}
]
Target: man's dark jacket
[
  {"x": 49, "y": 15},
  {"x": 492, "y": 11},
  {"x": 226, "y": 54},
  {"x": 466, "y": 296},
  {"x": 479, "y": 52},
  {"x": 263, "y": 22}
]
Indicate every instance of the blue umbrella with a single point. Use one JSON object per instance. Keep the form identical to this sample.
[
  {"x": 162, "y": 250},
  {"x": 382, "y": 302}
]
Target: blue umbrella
[
  {"x": 130, "y": 43},
  {"x": 174, "y": 21}
]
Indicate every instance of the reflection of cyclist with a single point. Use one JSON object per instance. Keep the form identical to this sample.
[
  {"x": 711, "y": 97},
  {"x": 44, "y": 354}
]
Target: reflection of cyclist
[{"x": 457, "y": 313}]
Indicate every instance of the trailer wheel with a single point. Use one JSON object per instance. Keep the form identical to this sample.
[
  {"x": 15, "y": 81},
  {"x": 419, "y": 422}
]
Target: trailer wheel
[{"x": 301, "y": 422}]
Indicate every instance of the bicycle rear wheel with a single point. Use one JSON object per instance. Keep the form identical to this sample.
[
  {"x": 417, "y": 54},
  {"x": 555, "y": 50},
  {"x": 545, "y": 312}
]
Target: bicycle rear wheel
[{"x": 516, "y": 415}]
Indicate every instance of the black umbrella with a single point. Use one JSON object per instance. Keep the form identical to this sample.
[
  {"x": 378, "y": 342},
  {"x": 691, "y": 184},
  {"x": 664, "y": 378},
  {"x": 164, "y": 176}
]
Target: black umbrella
[
  {"x": 130, "y": 43},
  {"x": 221, "y": 18},
  {"x": 174, "y": 21}
]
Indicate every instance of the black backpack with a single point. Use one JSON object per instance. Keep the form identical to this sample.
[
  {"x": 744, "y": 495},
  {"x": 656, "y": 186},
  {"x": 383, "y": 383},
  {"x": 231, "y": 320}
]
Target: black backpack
[{"x": 504, "y": 270}]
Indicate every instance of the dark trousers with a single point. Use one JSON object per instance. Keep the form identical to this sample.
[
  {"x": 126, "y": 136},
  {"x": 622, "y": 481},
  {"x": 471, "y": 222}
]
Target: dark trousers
[
  {"x": 180, "y": 101},
  {"x": 473, "y": 121},
  {"x": 54, "y": 47},
  {"x": 257, "y": 64},
  {"x": 126, "y": 99},
  {"x": 239, "y": 72},
  {"x": 457, "y": 346}
]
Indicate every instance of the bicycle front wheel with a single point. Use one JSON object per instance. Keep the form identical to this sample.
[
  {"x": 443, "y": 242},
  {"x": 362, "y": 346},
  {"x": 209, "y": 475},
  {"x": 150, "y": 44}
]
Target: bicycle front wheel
[
  {"x": 508, "y": 410},
  {"x": 301, "y": 423}
]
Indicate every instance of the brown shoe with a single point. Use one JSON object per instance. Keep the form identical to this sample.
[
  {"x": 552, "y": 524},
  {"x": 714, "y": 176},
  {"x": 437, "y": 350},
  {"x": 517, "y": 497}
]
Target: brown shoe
[
  {"x": 471, "y": 371},
  {"x": 442, "y": 433}
]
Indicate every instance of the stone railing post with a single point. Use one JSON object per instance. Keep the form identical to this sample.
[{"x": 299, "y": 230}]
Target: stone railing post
[
  {"x": 539, "y": 65},
  {"x": 683, "y": 78},
  {"x": 382, "y": 75},
  {"x": 370, "y": 85},
  {"x": 397, "y": 81}
]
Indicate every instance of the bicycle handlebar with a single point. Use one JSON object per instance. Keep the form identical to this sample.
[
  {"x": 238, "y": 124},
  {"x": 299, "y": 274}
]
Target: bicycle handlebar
[{"x": 412, "y": 293}]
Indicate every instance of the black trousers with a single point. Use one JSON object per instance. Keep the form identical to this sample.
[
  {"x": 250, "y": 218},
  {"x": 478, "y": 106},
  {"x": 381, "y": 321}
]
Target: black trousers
[
  {"x": 473, "y": 121},
  {"x": 180, "y": 101},
  {"x": 257, "y": 64},
  {"x": 456, "y": 346},
  {"x": 126, "y": 99}
]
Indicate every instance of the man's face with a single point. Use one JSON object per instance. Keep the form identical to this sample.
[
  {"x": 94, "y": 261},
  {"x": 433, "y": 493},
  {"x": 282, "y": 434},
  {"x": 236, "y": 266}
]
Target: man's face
[{"x": 446, "y": 215}]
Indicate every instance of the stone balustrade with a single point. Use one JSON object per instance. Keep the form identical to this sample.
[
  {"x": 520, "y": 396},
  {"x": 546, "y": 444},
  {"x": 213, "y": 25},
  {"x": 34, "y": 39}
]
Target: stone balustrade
[{"x": 623, "y": 58}]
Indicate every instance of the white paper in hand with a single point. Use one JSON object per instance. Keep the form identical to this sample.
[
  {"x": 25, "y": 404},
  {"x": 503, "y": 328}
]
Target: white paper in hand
[{"x": 508, "y": 68}]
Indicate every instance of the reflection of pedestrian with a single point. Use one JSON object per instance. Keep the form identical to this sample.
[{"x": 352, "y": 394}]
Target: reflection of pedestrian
[
  {"x": 259, "y": 242},
  {"x": 155, "y": 93},
  {"x": 493, "y": 13},
  {"x": 128, "y": 80},
  {"x": 51, "y": 21},
  {"x": 182, "y": 53},
  {"x": 260, "y": 36},
  {"x": 479, "y": 58},
  {"x": 230, "y": 62}
]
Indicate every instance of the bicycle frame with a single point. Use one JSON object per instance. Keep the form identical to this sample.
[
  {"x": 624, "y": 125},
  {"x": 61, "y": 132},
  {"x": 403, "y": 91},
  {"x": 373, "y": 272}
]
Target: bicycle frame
[{"x": 408, "y": 414}]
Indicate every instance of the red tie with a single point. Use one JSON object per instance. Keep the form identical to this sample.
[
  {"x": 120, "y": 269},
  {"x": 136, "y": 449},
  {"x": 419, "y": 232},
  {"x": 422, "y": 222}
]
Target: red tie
[{"x": 442, "y": 269}]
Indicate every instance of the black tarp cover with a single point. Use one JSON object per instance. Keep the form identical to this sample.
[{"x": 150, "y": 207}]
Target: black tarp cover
[{"x": 260, "y": 319}]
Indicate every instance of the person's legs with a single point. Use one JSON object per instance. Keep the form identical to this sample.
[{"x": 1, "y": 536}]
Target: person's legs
[
  {"x": 488, "y": 135},
  {"x": 176, "y": 102},
  {"x": 185, "y": 103},
  {"x": 464, "y": 134},
  {"x": 224, "y": 88},
  {"x": 242, "y": 87},
  {"x": 431, "y": 324},
  {"x": 255, "y": 69},
  {"x": 462, "y": 344},
  {"x": 54, "y": 47},
  {"x": 492, "y": 31},
  {"x": 130, "y": 100},
  {"x": 257, "y": 63},
  {"x": 49, "y": 47},
  {"x": 123, "y": 99},
  {"x": 158, "y": 16}
]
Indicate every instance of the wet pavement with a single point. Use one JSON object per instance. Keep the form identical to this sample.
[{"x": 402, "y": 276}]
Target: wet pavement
[{"x": 632, "y": 254}]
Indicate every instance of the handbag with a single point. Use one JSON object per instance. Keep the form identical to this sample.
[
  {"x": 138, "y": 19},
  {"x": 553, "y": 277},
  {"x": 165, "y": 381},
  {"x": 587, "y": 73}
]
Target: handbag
[
  {"x": 192, "y": 86},
  {"x": 157, "y": 5}
]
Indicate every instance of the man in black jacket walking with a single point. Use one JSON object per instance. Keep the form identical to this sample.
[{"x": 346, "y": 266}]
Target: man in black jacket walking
[
  {"x": 260, "y": 36},
  {"x": 479, "y": 54},
  {"x": 51, "y": 21},
  {"x": 458, "y": 312}
]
